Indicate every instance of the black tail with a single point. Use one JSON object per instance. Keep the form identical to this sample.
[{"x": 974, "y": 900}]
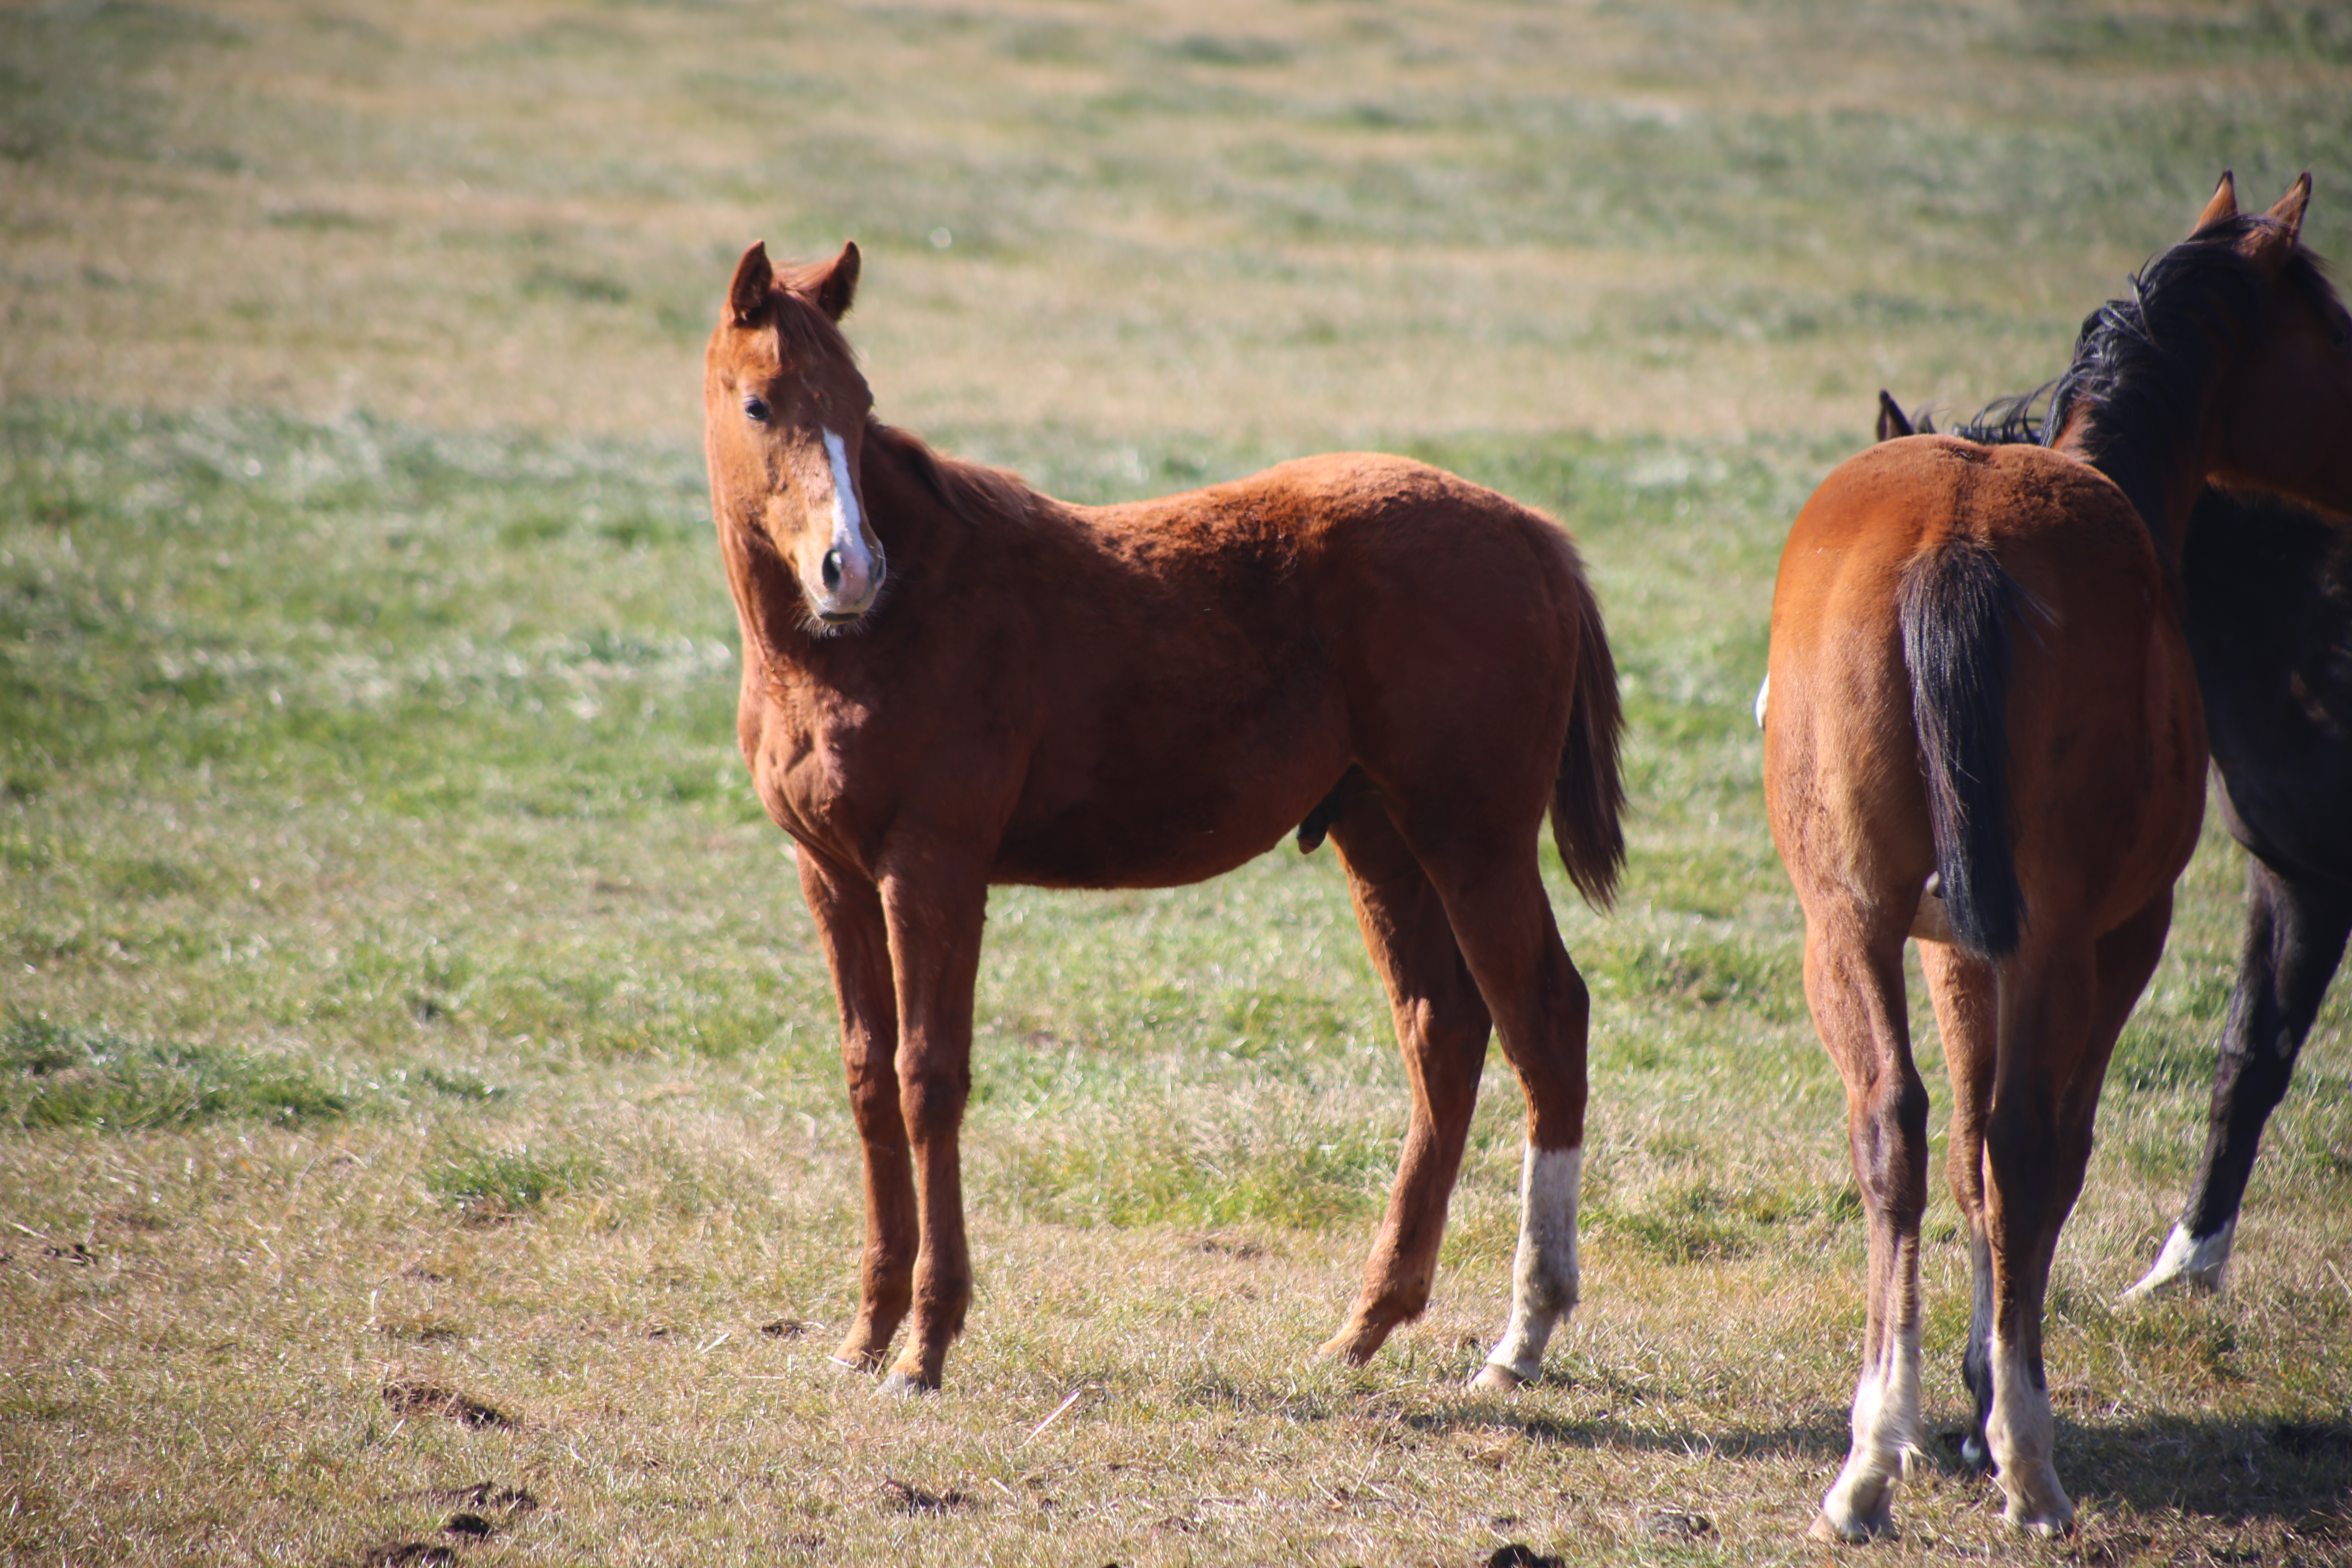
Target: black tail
[{"x": 1958, "y": 606}]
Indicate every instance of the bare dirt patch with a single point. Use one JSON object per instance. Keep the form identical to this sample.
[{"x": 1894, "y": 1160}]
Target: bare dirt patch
[{"x": 431, "y": 1399}]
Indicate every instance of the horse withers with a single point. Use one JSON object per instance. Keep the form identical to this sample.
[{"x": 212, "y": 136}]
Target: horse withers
[
  {"x": 950, "y": 680},
  {"x": 2267, "y": 608},
  {"x": 1979, "y": 675}
]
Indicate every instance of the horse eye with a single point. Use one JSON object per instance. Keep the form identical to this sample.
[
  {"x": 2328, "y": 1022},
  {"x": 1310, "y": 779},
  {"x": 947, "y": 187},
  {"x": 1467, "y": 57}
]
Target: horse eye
[{"x": 755, "y": 408}]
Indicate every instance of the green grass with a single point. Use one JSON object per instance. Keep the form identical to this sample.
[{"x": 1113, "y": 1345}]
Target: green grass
[
  {"x": 55, "y": 1076},
  {"x": 393, "y": 912},
  {"x": 402, "y": 988}
]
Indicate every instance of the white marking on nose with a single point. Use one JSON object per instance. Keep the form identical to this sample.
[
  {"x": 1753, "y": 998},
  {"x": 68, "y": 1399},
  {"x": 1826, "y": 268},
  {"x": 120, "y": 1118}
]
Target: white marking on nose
[
  {"x": 855, "y": 585},
  {"x": 1763, "y": 696}
]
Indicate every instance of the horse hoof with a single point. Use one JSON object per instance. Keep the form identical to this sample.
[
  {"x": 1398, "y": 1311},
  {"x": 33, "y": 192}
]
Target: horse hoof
[
  {"x": 1354, "y": 1345},
  {"x": 903, "y": 1385},
  {"x": 861, "y": 1366},
  {"x": 2045, "y": 1525},
  {"x": 2186, "y": 1266},
  {"x": 2161, "y": 1282},
  {"x": 1496, "y": 1378},
  {"x": 1857, "y": 1532},
  {"x": 2038, "y": 1504}
]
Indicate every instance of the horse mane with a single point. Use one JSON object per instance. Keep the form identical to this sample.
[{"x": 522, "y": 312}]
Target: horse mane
[
  {"x": 972, "y": 491},
  {"x": 2016, "y": 420},
  {"x": 2143, "y": 364}
]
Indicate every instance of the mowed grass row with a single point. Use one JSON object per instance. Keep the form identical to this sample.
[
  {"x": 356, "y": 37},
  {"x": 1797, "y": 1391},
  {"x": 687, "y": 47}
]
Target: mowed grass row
[{"x": 407, "y": 1006}]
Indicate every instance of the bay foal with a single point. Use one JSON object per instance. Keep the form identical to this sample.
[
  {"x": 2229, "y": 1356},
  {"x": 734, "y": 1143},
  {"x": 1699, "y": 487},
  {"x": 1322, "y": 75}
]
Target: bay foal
[
  {"x": 1977, "y": 674},
  {"x": 2267, "y": 610}
]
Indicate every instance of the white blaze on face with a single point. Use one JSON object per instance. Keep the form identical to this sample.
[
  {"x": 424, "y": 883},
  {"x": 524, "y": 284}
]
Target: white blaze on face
[
  {"x": 852, "y": 589},
  {"x": 1544, "y": 1274}
]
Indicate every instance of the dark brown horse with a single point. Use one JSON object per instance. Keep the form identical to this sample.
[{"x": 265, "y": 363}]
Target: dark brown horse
[
  {"x": 950, "y": 681},
  {"x": 1979, "y": 675},
  {"x": 2267, "y": 607}
]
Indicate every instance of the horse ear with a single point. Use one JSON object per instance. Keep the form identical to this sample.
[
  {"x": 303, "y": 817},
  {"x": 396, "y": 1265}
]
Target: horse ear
[
  {"x": 747, "y": 295},
  {"x": 1891, "y": 420},
  {"x": 838, "y": 287},
  {"x": 2222, "y": 209},
  {"x": 2288, "y": 211}
]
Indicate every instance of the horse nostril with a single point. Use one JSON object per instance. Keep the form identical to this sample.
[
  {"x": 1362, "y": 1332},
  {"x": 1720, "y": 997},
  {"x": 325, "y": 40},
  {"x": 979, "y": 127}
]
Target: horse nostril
[{"x": 831, "y": 571}]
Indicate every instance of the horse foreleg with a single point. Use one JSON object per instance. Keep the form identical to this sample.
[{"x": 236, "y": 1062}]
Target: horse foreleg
[
  {"x": 1441, "y": 1027},
  {"x": 849, "y": 913},
  {"x": 934, "y": 912},
  {"x": 2295, "y": 933},
  {"x": 1961, "y": 985},
  {"x": 1854, "y": 981}
]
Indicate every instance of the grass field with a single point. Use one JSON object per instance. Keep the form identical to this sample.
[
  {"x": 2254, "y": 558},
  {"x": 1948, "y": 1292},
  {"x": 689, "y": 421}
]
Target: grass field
[{"x": 418, "y": 1097}]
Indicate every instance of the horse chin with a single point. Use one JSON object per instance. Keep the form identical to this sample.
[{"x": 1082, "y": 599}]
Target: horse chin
[{"x": 835, "y": 623}]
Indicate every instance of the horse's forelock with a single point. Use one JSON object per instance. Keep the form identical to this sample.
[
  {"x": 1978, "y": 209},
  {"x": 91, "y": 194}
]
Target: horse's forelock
[{"x": 804, "y": 334}]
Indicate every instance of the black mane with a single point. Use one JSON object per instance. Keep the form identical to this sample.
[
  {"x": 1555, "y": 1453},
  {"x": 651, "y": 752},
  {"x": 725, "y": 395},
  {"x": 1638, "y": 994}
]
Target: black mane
[{"x": 2142, "y": 365}]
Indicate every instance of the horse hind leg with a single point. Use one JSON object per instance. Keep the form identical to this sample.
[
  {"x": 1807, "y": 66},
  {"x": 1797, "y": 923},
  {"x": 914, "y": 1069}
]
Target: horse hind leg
[
  {"x": 2295, "y": 933},
  {"x": 1853, "y": 980},
  {"x": 1501, "y": 918},
  {"x": 2058, "y": 1034},
  {"x": 1442, "y": 1027},
  {"x": 1962, "y": 986}
]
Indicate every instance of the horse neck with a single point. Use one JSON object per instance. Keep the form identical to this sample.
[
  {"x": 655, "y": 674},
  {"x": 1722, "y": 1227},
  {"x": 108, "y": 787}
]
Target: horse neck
[
  {"x": 906, "y": 489},
  {"x": 2160, "y": 476}
]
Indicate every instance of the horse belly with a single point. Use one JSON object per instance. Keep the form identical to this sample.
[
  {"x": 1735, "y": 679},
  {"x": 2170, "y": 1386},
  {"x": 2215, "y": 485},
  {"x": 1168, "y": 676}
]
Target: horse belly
[{"x": 1165, "y": 816}]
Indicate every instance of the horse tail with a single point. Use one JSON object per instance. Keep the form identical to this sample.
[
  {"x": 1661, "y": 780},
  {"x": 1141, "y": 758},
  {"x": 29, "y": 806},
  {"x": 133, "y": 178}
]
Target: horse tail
[
  {"x": 1959, "y": 604},
  {"x": 1590, "y": 794}
]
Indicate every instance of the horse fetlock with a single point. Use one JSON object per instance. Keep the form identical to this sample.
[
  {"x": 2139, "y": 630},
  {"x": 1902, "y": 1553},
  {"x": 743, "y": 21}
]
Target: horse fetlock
[{"x": 2188, "y": 1264}]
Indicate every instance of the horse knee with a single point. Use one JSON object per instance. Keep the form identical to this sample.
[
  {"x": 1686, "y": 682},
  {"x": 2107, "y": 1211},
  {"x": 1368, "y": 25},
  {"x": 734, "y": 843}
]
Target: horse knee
[
  {"x": 874, "y": 1103},
  {"x": 931, "y": 1101}
]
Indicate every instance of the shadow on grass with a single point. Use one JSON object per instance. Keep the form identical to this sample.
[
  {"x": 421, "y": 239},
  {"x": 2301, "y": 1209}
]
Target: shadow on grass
[
  {"x": 2248, "y": 1467},
  {"x": 2243, "y": 1469}
]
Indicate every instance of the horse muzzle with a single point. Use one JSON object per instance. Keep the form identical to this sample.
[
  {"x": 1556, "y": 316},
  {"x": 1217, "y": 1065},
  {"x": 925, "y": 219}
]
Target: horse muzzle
[{"x": 849, "y": 580}]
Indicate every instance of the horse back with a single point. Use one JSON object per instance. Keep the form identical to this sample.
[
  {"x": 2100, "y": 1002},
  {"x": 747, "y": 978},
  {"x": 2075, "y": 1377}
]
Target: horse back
[{"x": 1171, "y": 686}]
